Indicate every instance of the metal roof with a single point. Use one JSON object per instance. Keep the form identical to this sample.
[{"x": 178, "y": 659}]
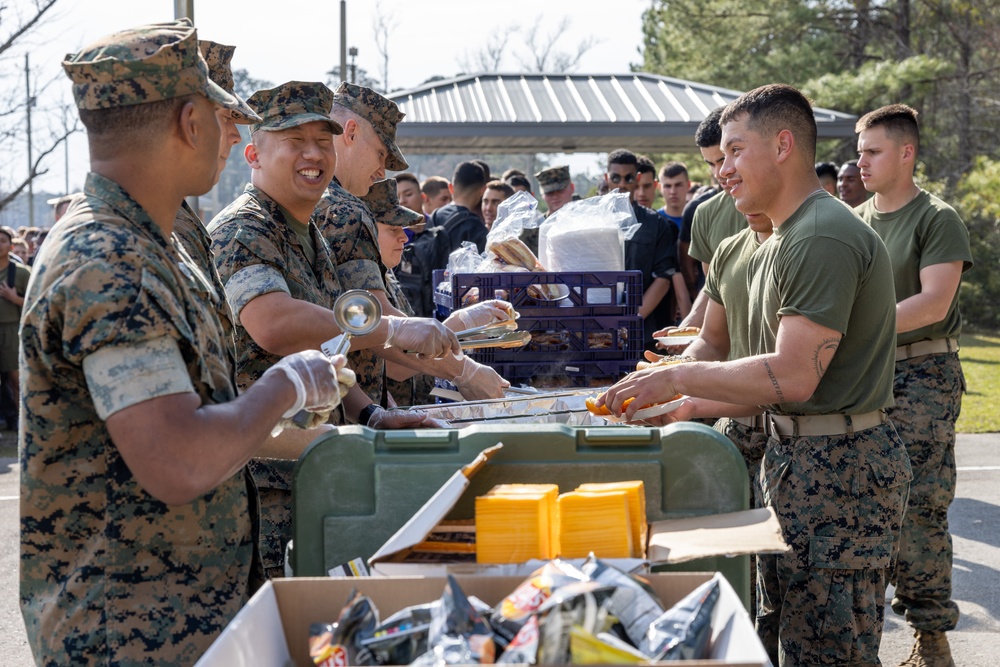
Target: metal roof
[{"x": 545, "y": 113}]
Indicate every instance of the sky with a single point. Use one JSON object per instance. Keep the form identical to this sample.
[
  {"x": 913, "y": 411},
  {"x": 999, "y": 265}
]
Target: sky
[{"x": 302, "y": 42}]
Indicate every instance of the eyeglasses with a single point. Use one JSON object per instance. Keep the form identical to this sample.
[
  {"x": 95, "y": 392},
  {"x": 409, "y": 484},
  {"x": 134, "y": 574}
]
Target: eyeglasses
[{"x": 617, "y": 178}]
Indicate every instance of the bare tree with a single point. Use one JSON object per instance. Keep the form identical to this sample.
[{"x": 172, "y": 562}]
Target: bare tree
[
  {"x": 490, "y": 55},
  {"x": 383, "y": 26},
  {"x": 16, "y": 24},
  {"x": 542, "y": 54}
]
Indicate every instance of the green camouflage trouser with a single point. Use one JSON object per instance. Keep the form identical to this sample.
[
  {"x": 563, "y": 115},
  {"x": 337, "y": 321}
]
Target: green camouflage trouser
[
  {"x": 273, "y": 478},
  {"x": 840, "y": 501},
  {"x": 928, "y": 392}
]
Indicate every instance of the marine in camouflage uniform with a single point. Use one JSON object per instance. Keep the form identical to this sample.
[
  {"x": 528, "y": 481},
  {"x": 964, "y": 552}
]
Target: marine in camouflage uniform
[
  {"x": 349, "y": 226},
  {"x": 189, "y": 230},
  {"x": 258, "y": 250},
  {"x": 929, "y": 247},
  {"x": 384, "y": 205},
  {"x": 116, "y": 314}
]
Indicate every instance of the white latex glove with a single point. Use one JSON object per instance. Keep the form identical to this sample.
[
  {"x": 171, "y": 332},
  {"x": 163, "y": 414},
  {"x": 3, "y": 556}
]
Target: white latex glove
[
  {"x": 316, "y": 378},
  {"x": 427, "y": 338},
  {"x": 477, "y": 382},
  {"x": 479, "y": 315}
]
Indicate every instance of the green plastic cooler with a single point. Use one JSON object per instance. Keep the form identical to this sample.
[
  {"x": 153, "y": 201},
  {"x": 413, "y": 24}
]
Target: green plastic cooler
[{"x": 356, "y": 487}]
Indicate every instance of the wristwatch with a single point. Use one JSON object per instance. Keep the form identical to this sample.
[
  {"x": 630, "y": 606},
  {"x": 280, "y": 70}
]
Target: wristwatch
[{"x": 366, "y": 413}]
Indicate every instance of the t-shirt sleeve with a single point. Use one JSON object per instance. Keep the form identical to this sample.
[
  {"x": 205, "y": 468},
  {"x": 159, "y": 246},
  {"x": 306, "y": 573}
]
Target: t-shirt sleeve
[
  {"x": 817, "y": 279},
  {"x": 700, "y": 243},
  {"x": 712, "y": 287},
  {"x": 945, "y": 240}
]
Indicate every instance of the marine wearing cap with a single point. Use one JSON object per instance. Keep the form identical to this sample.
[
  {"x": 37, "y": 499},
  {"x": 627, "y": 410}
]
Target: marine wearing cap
[
  {"x": 384, "y": 203},
  {"x": 553, "y": 179},
  {"x": 292, "y": 104},
  {"x": 141, "y": 65},
  {"x": 111, "y": 291},
  {"x": 217, "y": 57},
  {"x": 381, "y": 112}
]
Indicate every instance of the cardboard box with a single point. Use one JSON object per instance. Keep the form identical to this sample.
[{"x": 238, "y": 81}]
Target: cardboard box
[
  {"x": 668, "y": 542},
  {"x": 272, "y": 630}
]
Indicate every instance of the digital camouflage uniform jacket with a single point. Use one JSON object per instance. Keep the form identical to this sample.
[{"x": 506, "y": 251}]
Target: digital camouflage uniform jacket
[
  {"x": 257, "y": 253},
  {"x": 109, "y": 574},
  {"x": 349, "y": 226}
]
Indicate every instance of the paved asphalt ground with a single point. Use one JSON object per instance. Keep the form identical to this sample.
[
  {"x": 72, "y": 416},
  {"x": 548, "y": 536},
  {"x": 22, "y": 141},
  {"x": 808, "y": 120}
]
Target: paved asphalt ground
[{"x": 975, "y": 525}]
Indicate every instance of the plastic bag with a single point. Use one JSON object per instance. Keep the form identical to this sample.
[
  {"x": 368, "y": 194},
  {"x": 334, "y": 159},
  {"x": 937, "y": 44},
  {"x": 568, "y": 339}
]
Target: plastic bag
[
  {"x": 464, "y": 259},
  {"x": 588, "y": 235},
  {"x": 458, "y": 634},
  {"x": 515, "y": 214},
  {"x": 341, "y": 642},
  {"x": 402, "y": 637},
  {"x": 684, "y": 630},
  {"x": 634, "y": 603},
  {"x": 511, "y": 614},
  {"x": 582, "y": 605}
]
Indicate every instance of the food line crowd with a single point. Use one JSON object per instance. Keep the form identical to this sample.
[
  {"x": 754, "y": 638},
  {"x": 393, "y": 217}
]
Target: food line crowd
[{"x": 162, "y": 359}]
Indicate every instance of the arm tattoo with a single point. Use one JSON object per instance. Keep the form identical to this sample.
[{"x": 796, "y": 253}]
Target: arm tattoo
[
  {"x": 774, "y": 383},
  {"x": 831, "y": 345}
]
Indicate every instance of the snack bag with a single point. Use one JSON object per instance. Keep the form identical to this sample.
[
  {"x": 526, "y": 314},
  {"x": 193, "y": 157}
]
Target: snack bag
[
  {"x": 633, "y": 602},
  {"x": 684, "y": 630},
  {"x": 511, "y": 614},
  {"x": 341, "y": 643},
  {"x": 580, "y": 605},
  {"x": 523, "y": 649},
  {"x": 402, "y": 637},
  {"x": 458, "y": 634},
  {"x": 603, "y": 648}
]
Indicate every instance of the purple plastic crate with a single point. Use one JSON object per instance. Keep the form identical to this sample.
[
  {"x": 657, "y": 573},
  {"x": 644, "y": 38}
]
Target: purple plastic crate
[
  {"x": 572, "y": 340},
  {"x": 587, "y": 293}
]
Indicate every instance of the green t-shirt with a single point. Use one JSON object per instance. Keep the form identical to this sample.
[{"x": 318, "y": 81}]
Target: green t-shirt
[
  {"x": 825, "y": 264},
  {"x": 924, "y": 232},
  {"x": 9, "y": 312},
  {"x": 726, "y": 284},
  {"x": 302, "y": 231},
  {"x": 715, "y": 220}
]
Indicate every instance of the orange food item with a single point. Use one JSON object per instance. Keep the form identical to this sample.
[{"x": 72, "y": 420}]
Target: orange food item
[{"x": 603, "y": 410}]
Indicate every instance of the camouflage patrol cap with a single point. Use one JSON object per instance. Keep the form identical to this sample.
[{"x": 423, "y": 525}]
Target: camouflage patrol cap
[
  {"x": 291, "y": 104},
  {"x": 553, "y": 179},
  {"x": 381, "y": 112},
  {"x": 384, "y": 203},
  {"x": 218, "y": 57},
  {"x": 142, "y": 65}
]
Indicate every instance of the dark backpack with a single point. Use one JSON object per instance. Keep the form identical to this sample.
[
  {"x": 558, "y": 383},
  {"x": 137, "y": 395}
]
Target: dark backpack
[{"x": 426, "y": 252}]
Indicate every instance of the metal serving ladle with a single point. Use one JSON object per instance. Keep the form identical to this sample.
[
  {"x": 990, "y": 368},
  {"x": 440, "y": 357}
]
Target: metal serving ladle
[{"x": 357, "y": 313}]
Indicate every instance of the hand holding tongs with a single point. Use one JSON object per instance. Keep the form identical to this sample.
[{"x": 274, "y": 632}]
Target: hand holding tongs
[{"x": 495, "y": 334}]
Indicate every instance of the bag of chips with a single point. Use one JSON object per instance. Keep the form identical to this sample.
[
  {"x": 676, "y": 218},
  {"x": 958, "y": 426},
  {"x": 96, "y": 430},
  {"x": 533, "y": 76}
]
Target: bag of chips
[
  {"x": 683, "y": 631},
  {"x": 458, "y": 635}
]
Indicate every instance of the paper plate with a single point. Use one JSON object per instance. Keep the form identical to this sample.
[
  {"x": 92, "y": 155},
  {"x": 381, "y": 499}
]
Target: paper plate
[
  {"x": 648, "y": 413},
  {"x": 671, "y": 341}
]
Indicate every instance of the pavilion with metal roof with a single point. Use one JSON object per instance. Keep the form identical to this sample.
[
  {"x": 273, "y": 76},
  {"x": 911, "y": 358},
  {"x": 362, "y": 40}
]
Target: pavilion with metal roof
[{"x": 549, "y": 113}]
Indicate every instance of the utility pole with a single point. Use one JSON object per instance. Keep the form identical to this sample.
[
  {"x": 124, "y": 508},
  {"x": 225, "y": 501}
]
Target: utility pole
[
  {"x": 343, "y": 40},
  {"x": 184, "y": 8},
  {"x": 29, "y": 102}
]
